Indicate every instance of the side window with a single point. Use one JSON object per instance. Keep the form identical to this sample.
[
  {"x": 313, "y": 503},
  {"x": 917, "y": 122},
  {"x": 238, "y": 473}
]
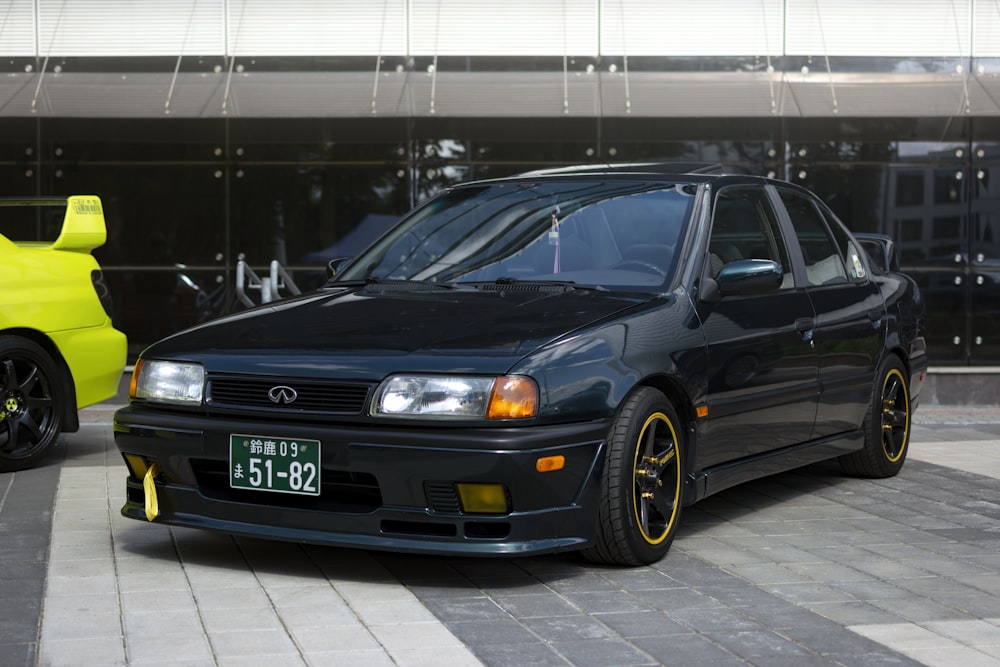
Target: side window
[
  {"x": 824, "y": 265},
  {"x": 745, "y": 227}
]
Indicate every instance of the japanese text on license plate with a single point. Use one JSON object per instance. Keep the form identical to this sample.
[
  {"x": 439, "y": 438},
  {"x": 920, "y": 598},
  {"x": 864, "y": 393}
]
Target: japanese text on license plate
[{"x": 283, "y": 465}]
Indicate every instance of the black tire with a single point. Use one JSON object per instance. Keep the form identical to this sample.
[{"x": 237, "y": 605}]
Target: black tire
[
  {"x": 887, "y": 425},
  {"x": 30, "y": 403},
  {"x": 640, "y": 505}
]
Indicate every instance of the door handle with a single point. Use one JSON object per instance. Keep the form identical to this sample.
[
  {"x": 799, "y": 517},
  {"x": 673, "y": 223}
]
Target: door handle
[{"x": 805, "y": 326}]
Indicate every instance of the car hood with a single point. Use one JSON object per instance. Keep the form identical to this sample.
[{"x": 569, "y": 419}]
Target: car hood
[{"x": 369, "y": 332}]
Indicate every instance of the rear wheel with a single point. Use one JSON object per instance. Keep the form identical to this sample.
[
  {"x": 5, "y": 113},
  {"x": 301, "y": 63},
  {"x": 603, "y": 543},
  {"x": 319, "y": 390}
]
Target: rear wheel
[
  {"x": 887, "y": 426},
  {"x": 30, "y": 406},
  {"x": 640, "y": 504}
]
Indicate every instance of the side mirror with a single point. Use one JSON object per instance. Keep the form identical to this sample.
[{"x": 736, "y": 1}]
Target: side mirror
[
  {"x": 749, "y": 276},
  {"x": 881, "y": 251}
]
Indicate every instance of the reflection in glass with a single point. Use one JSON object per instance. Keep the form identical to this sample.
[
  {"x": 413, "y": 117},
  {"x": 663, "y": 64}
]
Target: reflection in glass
[
  {"x": 308, "y": 215},
  {"x": 947, "y": 187},
  {"x": 612, "y": 234},
  {"x": 909, "y": 188}
]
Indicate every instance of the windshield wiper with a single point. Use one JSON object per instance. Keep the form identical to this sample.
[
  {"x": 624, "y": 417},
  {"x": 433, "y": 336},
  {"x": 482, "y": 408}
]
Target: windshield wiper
[
  {"x": 404, "y": 284},
  {"x": 528, "y": 284},
  {"x": 378, "y": 283}
]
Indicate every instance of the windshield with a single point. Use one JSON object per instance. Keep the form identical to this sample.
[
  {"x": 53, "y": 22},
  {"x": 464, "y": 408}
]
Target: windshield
[{"x": 614, "y": 234}]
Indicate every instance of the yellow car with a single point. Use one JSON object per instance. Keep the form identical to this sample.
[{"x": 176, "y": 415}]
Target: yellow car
[{"x": 58, "y": 348}]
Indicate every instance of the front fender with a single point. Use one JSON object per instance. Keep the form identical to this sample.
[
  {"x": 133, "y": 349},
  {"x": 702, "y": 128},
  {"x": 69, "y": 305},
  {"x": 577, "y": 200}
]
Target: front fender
[{"x": 587, "y": 375}]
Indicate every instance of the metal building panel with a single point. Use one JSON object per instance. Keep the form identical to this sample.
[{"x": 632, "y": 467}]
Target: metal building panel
[
  {"x": 93, "y": 95},
  {"x": 490, "y": 95},
  {"x": 695, "y": 95},
  {"x": 684, "y": 28},
  {"x": 871, "y": 95},
  {"x": 909, "y": 28},
  {"x": 317, "y": 27},
  {"x": 125, "y": 28},
  {"x": 503, "y": 28}
]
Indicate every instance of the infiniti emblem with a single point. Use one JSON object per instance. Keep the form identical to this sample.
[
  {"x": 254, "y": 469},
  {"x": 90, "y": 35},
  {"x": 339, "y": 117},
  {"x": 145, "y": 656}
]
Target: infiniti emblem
[{"x": 282, "y": 394}]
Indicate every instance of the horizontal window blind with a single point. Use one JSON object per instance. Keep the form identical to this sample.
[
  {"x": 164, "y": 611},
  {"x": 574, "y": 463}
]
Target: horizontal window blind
[
  {"x": 17, "y": 27},
  {"x": 986, "y": 29},
  {"x": 918, "y": 28},
  {"x": 130, "y": 27},
  {"x": 685, "y": 28},
  {"x": 507, "y": 28},
  {"x": 878, "y": 28},
  {"x": 317, "y": 28}
]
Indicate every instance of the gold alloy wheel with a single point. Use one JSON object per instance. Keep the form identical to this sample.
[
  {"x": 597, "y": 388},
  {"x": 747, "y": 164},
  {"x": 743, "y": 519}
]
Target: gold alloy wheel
[
  {"x": 895, "y": 415},
  {"x": 640, "y": 506},
  {"x": 656, "y": 490},
  {"x": 886, "y": 427}
]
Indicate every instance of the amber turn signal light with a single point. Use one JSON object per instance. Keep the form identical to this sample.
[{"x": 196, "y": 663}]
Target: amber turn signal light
[
  {"x": 550, "y": 463},
  {"x": 513, "y": 397}
]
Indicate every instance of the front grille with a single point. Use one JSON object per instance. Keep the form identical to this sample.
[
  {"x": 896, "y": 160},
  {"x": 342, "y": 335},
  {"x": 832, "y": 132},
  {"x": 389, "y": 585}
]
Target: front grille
[
  {"x": 340, "y": 490},
  {"x": 339, "y": 398}
]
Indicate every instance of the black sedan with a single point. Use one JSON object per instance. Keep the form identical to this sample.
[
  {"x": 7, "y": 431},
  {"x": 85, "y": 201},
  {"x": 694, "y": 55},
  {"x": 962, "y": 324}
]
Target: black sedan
[{"x": 561, "y": 360}]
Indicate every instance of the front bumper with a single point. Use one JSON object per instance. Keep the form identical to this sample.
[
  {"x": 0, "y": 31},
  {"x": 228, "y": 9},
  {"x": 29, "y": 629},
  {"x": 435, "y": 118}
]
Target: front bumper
[{"x": 383, "y": 488}]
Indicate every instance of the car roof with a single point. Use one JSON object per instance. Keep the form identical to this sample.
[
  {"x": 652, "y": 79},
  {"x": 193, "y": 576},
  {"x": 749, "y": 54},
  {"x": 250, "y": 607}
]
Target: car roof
[
  {"x": 662, "y": 168},
  {"x": 653, "y": 172}
]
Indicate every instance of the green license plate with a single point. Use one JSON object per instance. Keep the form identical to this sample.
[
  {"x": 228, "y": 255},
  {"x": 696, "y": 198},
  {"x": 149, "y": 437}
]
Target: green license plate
[{"x": 266, "y": 463}]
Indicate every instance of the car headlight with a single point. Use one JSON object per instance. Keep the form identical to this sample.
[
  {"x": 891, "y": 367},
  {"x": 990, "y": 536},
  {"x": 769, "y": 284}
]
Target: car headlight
[
  {"x": 167, "y": 382},
  {"x": 441, "y": 396}
]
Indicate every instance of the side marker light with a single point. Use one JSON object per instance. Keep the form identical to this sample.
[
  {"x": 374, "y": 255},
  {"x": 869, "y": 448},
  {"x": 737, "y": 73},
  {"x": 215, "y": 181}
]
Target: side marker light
[{"x": 550, "y": 463}]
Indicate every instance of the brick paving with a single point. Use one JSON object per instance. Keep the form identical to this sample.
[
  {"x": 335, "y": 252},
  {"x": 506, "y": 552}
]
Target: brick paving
[{"x": 804, "y": 568}]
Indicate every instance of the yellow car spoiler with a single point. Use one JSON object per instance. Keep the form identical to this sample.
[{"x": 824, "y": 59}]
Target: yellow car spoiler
[{"x": 83, "y": 227}]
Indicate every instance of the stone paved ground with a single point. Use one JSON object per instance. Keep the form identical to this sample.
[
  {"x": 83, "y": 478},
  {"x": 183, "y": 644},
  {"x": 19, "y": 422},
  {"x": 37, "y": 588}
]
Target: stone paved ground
[{"x": 804, "y": 568}]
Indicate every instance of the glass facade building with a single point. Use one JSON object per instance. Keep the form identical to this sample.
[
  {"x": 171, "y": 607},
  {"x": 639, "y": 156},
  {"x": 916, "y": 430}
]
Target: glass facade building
[{"x": 298, "y": 131}]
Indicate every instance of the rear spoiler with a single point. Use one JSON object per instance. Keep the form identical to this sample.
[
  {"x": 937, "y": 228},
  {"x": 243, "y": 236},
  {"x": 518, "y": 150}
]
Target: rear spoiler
[
  {"x": 83, "y": 227},
  {"x": 881, "y": 251}
]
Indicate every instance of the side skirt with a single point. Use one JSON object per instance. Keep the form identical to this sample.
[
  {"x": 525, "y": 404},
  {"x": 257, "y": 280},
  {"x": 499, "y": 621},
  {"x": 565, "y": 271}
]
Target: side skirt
[{"x": 717, "y": 478}]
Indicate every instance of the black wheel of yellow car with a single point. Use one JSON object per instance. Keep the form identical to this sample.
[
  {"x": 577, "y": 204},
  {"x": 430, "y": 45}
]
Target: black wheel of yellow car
[
  {"x": 887, "y": 425},
  {"x": 30, "y": 409},
  {"x": 640, "y": 506}
]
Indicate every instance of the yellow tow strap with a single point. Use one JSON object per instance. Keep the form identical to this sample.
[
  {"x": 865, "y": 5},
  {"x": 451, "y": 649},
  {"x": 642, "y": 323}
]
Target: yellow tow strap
[{"x": 152, "y": 507}]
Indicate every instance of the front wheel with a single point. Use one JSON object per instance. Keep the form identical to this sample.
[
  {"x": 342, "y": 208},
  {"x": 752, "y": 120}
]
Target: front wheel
[
  {"x": 887, "y": 425},
  {"x": 640, "y": 505},
  {"x": 30, "y": 408}
]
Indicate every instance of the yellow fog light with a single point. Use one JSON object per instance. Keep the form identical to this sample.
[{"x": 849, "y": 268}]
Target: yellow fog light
[
  {"x": 550, "y": 463},
  {"x": 483, "y": 498}
]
